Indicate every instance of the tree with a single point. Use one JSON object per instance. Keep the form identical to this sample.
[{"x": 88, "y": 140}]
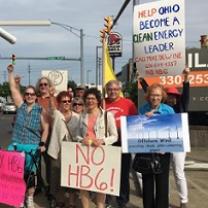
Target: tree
[
  {"x": 131, "y": 90},
  {"x": 72, "y": 84}
]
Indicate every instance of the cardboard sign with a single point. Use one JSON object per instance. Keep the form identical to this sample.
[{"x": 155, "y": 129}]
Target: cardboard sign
[
  {"x": 12, "y": 184},
  {"x": 91, "y": 168},
  {"x": 59, "y": 78},
  {"x": 159, "y": 38},
  {"x": 159, "y": 133}
]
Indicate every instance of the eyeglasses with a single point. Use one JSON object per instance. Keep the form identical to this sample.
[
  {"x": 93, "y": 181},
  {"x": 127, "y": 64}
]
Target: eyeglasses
[
  {"x": 43, "y": 84},
  {"x": 29, "y": 94},
  {"x": 113, "y": 89},
  {"x": 77, "y": 104},
  {"x": 66, "y": 101}
]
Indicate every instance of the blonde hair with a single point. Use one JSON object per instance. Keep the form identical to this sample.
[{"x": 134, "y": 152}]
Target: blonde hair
[
  {"x": 154, "y": 86},
  {"x": 37, "y": 86}
]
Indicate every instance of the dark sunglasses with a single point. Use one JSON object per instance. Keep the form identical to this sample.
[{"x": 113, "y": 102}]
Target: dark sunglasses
[
  {"x": 29, "y": 94},
  {"x": 43, "y": 84},
  {"x": 66, "y": 101},
  {"x": 79, "y": 104}
]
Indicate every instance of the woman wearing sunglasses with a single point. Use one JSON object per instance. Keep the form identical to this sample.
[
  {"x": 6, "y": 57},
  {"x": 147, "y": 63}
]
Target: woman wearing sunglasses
[
  {"x": 43, "y": 98},
  {"x": 65, "y": 123},
  {"x": 78, "y": 105},
  {"x": 30, "y": 130}
]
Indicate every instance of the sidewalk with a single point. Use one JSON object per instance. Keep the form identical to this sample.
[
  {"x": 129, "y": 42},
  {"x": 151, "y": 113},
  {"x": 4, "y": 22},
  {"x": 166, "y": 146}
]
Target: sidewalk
[
  {"x": 197, "y": 177},
  {"x": 197, "y": 159}
]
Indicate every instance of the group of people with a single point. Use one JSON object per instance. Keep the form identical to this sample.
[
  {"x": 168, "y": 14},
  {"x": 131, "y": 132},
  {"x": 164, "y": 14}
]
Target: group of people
[{"x": 44, "y": 120}]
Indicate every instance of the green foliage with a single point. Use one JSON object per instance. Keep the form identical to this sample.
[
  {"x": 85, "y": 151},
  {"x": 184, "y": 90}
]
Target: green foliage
[
  {"x": 72, "y": 84},
  {"x": 131, "y": 91},
  {"x": 4, "y": 89}
]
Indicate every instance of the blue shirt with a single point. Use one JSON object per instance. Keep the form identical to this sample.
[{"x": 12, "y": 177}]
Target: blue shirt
[
  {"x": 27, "y": 128},
  {"x": 163, "y": 109}
]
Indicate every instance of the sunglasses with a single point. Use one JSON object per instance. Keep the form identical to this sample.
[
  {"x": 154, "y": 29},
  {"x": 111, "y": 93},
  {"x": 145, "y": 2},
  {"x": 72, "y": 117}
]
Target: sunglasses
[
  {"x": 77, "y": 104},
  {"x": 29, "y": 94},
  {"x": 43, "y": 84},
  {"x": 66, "y": 101}
]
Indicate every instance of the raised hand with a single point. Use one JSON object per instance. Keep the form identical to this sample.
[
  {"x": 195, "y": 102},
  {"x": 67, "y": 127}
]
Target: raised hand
[{"x": 10, "y": 68}]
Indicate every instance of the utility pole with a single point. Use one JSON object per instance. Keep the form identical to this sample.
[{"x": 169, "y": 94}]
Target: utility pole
[
  {"x": 5, "y": 76},
  {"x": 29, "y": 71},
  {"x": 82, "y": 56},
  {"x": 97, "y": 66}
]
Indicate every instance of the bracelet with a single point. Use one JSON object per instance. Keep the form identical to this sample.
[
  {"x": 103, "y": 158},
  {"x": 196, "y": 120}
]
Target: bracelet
[{"x": 41, "y": 144}]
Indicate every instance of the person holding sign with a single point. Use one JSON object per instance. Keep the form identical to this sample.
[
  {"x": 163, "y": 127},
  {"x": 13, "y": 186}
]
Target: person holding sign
[
  {"x": 120, "y": 106},
  {"x": 30, "y": 130},
  {"x": 64, "y": 128},
  {"x": 157, "y": 180},
  {"x": 96, "y": 127},
  {"x": 179, "y": 102}
]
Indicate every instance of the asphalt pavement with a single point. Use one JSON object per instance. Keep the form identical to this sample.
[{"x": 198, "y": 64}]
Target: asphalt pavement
[{"x": 196, "y": 169}]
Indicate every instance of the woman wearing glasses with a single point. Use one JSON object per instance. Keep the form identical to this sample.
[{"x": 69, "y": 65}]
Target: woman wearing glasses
[
  {"x": 65, "y": 123},
  {"x": 30, "y": 129},
  {"x": 78, "y": 105},
  {"x": 43, "y": 98},
  {"x": 156, "y": 185},
  {"x": 95, "y": 128}
]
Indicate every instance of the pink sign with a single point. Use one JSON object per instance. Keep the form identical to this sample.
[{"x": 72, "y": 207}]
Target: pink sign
[{"x": 12, "y": 184}]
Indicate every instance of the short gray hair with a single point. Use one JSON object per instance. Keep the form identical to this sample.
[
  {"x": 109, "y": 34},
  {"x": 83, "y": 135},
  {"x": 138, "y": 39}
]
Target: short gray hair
[{"x": 111, "y": 82}]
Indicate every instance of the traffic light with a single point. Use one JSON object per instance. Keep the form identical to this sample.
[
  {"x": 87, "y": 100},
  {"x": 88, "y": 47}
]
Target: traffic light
[
  {"x": 108, "y": 24},
  {"x": 102, "y": 35},
  {"x": 13, "y": 59}
]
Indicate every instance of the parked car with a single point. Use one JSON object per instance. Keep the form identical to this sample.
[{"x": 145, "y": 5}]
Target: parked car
[
  {"x": 1, "y": 105},
  {"x": 9, "y": 108}
]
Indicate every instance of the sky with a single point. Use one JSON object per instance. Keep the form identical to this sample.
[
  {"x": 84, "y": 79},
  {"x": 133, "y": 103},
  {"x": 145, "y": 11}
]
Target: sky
[{"x": 87, "y": 15}]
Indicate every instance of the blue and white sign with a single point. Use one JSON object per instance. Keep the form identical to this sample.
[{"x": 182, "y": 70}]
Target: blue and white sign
[{"x": 159, "y": 133}]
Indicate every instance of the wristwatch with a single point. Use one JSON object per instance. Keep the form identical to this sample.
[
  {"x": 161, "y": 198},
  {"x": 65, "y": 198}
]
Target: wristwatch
[{"x": 41, "y": 144}]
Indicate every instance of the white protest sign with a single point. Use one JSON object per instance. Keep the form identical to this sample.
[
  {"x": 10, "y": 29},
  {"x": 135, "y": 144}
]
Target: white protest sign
[
  {"x": 91, "y": 168},
  {"x": 159, "y": 38},
  {"x": 158, "y": 133},
  {"x": 59, "y": 78}
]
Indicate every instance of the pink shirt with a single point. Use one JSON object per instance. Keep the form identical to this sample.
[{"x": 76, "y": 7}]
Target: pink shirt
[{"x": 90, "y": 127}]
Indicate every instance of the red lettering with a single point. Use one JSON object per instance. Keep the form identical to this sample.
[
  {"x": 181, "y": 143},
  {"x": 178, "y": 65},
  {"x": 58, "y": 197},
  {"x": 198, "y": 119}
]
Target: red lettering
[
  {"x": 76, "y": 174},
  {"x": 102, "y": 186},
  {"x": 100, "y": 155},
  {"x": 112, "y": 178},
  {"x": 84, "y": 152},
  {"x": 84, "y": 175}
]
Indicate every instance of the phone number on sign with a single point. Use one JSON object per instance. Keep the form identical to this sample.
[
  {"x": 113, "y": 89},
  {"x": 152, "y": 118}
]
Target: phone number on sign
[{"x": 196, "y": 79}]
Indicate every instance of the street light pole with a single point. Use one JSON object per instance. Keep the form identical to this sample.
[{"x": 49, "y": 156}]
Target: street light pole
[
  {"x": 81, "y": 36},
  {"x": 47, "y": 23},
  {"x": 29, "y": 71}
]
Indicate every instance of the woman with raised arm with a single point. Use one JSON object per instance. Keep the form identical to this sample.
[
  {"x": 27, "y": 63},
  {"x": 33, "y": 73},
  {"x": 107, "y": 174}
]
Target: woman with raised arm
[
  {"x": 65, "y": 123},
  {"x": 30, "y": 130}
]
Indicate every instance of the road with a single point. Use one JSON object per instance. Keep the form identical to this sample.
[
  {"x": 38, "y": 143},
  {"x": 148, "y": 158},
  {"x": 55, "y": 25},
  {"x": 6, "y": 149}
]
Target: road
[{"x": 197, "y": 180}]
